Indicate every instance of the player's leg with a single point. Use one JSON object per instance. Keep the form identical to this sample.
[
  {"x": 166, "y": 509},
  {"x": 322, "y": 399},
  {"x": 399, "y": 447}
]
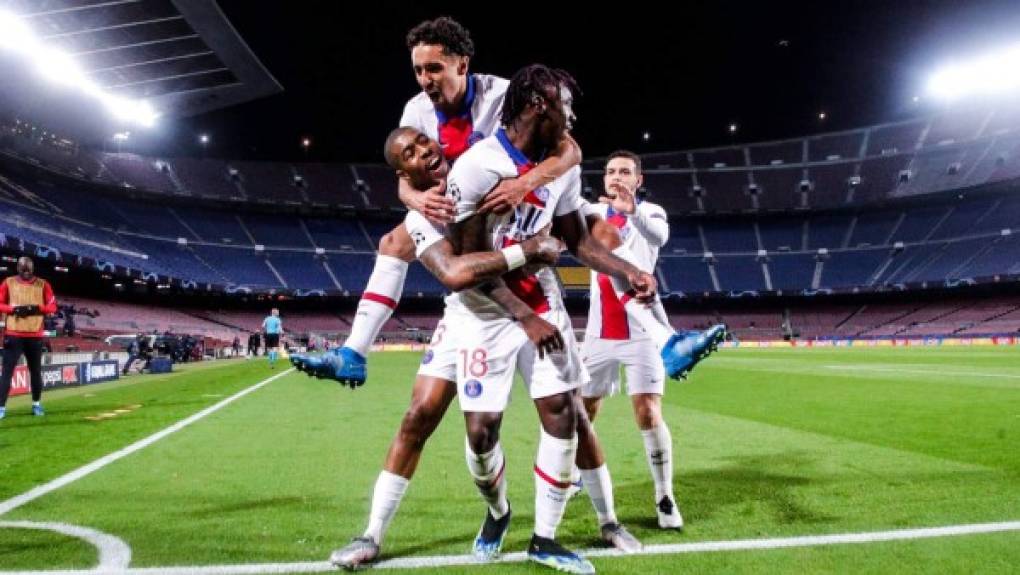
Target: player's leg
[
  {"x": 599, "y": 484},
  {"x": 11, "y": 354},
  {"x": 552, "y": 383},
  {"x": 486, "y": 359},
  {"x": 434, "y": 390},
  {"x": 32, "y": 348},
  {"x": 646, "y": 385},
  {"x": 382, "y": 293}
]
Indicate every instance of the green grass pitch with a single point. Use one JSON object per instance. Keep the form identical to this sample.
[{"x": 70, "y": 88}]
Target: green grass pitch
[{"x": 768, "y": 443}]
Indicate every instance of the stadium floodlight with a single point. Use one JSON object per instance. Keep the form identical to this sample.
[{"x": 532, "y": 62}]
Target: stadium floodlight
[
  {"x": 61, "y": 68},
  {"x": 121, "y": 136},
  {"x": 14, "y": 33},
  {"x": 733, "y": 128},
  {"x": 992, "y": 74},
  {"x": 203, "y": 139}
]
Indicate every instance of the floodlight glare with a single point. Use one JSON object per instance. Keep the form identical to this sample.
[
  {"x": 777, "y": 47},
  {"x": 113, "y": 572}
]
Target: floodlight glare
[
  {"x": 61, "y": 68},
  {"x": 993, "y": 74}
]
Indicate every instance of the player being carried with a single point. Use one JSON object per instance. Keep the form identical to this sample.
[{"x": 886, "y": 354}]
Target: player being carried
[{"x": 414, "y": 156}]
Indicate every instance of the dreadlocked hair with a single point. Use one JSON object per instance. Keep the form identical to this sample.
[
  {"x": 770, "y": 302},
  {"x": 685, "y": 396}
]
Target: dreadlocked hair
[{"x": 529, "y": 82}]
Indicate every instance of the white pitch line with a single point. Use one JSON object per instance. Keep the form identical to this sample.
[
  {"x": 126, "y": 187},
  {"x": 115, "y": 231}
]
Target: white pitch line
[
  {"x": 114, "y": 554},
  {"x": 922, "y": 371},
  {"x": 668, "y": 549},
  {"x": 37, "y": 492}
]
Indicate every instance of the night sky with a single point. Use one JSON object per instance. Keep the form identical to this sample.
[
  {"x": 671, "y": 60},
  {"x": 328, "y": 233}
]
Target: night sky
[{"x": 769, "y": 67}]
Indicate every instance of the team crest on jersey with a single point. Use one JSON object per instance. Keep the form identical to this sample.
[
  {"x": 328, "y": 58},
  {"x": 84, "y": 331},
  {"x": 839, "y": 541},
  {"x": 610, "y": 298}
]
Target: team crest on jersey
[
  {"x": 473, "y": 388},
  {"x": 542, "y": 194},
  {"x": 474, "y": 138},
  {"x": 427, "y": 357},
  {"x": 418, "y": 237}
]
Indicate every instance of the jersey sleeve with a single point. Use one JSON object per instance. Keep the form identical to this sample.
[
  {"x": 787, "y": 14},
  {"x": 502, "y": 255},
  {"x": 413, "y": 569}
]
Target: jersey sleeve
[
  {"x": 571, "y": 200},
  {"x": 423, "y": 232},
  {"x": 410, "y": 118},
  {"x": 651, "y": 222},
  {"x": 468, "y": 183}
]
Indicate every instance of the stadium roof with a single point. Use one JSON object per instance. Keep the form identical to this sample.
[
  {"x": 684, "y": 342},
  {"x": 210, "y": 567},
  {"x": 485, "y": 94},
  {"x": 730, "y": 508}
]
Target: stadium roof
[{"x": 182, "y": 56}]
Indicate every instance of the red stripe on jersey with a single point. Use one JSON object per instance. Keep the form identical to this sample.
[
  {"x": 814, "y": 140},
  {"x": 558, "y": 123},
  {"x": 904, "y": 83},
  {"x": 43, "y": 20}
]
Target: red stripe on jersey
[
  {"x": 550, "y": 480},
  {"x": 526, "y": 287},
  {"x": 617, "y": 219},
  {"x": 614, "y": 317},
  {"x": 454, "y": 136},
  {"x": 379, "y": 298}
]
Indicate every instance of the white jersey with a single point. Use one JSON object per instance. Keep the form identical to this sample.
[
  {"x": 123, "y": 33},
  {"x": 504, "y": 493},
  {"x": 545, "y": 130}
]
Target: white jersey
[
  {"x": 478, "y": 119},
  {"x": 423, "y": 232},
  {"x": 643, "y": 233},
  {"x": 475, "y": 175}
]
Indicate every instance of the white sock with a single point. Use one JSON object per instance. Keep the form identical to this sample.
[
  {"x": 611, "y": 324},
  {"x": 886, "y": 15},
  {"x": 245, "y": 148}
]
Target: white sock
[
  {"x": 377, "y": 303},
  {"x": 600, "y": 489},
  {"x": 487, "y": 471},
  {"x": 389, "y": 490},
  {"x": 36, "y": 403},
  {"x": 659, "y": 452},
  {"x": 552, "y": 479},
  {"x": 644, "y": 315}
]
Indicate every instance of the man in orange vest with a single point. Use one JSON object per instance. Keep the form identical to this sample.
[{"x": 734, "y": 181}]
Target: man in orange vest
[{"x": 24, "y": 299}]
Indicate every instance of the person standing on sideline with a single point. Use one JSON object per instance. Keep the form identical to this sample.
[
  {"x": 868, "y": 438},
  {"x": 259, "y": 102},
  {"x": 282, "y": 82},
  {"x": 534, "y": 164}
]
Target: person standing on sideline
[
  {"x": 273, "y": 327},
  {"x": 24, "y": 299}
]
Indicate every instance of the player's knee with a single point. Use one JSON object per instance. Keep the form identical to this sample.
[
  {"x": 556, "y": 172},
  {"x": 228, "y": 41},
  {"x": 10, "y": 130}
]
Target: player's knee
[
  {"x": 482, "y": 437},
  {"x": 559, "y": 416},
  {"x": 648, "y": 413},
  {"x": 397, "y": 245},
  {"x": 418, "y": 424}
]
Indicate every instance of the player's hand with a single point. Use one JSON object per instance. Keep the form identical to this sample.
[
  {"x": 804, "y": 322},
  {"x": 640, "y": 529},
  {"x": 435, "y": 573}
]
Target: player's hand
[
  {"x": 504, "y": 197},
  {"x": 620, "y": 198},
  {"x": 542, "y": 249},
  {"x": 434, "y": 205},
  {"x": 644, "y": 285},
  {"x": 544, "y": 335}
]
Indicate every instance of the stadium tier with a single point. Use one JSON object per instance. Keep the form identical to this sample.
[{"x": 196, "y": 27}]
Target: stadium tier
[{"x": 924, "y": 202}]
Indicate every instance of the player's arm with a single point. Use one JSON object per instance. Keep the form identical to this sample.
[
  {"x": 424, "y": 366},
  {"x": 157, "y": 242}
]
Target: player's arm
[
  {"x": 460, "y": 272},
  {"x": 5, "y": 306},
  {"x": 546, "y": 337},
  {"x": 49, "y": 305},
  {"x": 431, "y": 203},
  {"x": 650, "y": 222},
  {"x": 573, "y": 230},
  {"x": 510, "y": 192}
]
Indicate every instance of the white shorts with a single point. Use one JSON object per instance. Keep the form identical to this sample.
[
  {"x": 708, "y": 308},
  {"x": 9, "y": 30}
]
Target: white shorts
[
  {"x": 440, "y": 359},
  {"x": 492, "y": 350},
  {"x": 639, "y": 358}
]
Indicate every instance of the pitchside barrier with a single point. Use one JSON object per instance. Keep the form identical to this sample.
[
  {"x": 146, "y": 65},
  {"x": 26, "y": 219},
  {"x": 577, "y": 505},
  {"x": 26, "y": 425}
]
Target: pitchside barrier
[
  {"x": 886, "y": 342},
  {"x": 1006, "y": 340},
  {"x": 57, "y": 375}
]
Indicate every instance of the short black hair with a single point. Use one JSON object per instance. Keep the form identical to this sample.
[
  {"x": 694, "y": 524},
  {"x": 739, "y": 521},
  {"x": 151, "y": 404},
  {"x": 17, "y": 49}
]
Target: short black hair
[
  {"x": 392, "y": 159},
  {"x": 443, "y": 31},
  {"x": 626, "y": 154},
  {"x": 530, "y": 81}
]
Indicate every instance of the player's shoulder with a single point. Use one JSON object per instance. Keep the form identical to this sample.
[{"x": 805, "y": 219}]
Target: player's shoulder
[
  {"x": 415, "y": 110},
  {"x": 494, "y": 86},
  {"x": 485, "y": 152},
  {"x": 654, "y": 208}
]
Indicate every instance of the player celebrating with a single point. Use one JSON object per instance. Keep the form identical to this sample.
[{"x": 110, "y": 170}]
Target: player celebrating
[
  {"x": 537, "y": 110},
  {"x": 613, "y": 339},
  {"x": 413, "y": 155},
  {"x": 457, "y": 109}
]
